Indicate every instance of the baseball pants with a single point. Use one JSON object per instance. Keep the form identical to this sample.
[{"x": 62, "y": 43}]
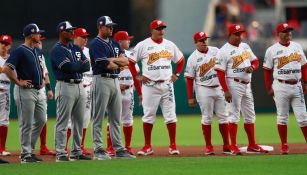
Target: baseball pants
[
  {"x": 5, "y": 101},
  {"x": 127, "y": 107}
]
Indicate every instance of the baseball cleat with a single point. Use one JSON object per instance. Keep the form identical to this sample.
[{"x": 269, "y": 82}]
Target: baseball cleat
[
  {"x": 101, "y": 154},
  {"x": 145, "y": 151},
  {"x": 235, "y": 150},
  {"x": 3, "y": 161},
  {"x": 284, "y": 149},
  {"x": 129, "y": 150},
  {"x": 79, "y": 157},
  {"x": 36, "y": 158},
  {"x": 85, "y": 151},
  {"x": 5, "y": 153},
  {"x": 226, "y": 149},
  {"x": 123, "y": 154},
  {"x": 27, "y": 159},
  {"x": 173, "y": 150},
  {"x": 209, "y": 150},
  {"x": 110, "y": 150},
  {"x": 62, "y": 158},
  {"x": 45, "y": 151},
  {"x": 255, "y": 149}
]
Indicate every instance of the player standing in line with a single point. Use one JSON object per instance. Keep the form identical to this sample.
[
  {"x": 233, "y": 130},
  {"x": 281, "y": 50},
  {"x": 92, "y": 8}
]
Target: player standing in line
[
  {"x": 156, "y": 54},
  {"x": 43, "y": 135},
  {"x": 5, "y": 99},
  {"x": 200, "y": 68},
  {"x": 23, "y": 67},
  {"x": 236, "y": 62},
  {"x": 106, "y": 58},
  {"x": 287, "y": 62},
  {"x": 126, "y": 87},
  {"x": 68, "y": 64},
  {"x": 80, "y": 39}
]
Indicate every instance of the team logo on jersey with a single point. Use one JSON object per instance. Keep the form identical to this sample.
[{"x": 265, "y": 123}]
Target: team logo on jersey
[
  {"x": 116, "y": 51},
  {"x": 204, "y": 68},
  {"x": 153, "y": 57},
  {"x": 279, "y": 52},
  {"x": 232, "y": 52},
  {"x": 287, "y": 59},
  {"x": 199, "y": 59},
  {"x": 237, "y": 60},
  {"x": 78, "y": 55},
  {"x": 150, "y": 48}
]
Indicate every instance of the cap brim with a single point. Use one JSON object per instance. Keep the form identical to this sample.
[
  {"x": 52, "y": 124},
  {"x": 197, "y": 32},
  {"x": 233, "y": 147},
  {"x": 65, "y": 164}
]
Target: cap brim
[
  {"x": 111, "y": 24},
  {"x": 131, "y": 37},
  {"x": 41, "y": 31},
  {"x": 71, "y": 28},
  {"x": 288, "y": 28}
]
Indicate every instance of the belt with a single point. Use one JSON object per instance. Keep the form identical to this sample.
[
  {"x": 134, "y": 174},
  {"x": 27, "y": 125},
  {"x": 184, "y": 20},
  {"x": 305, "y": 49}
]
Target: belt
[
  {"x": 3, "y": 90},
  {"x": 37, "y": 87},
  {"x": 86, "y": 85},
  {"x": 292, "y": 82},
  {"x": 73, "y": 81},
  {"x": 240, "y": 81},
  {"x": 108, "y": 75},
  {"x": 159, "y": 81},
  {"x": 215, "y": 86}
]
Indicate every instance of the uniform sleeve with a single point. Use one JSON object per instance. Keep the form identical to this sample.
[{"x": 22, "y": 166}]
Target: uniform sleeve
[
  {"x": 303, "y": 56},
  {"x": 268, "y": 60},
  {"x": 59, "y": 58},
  {"x": 135, "y": 54},
  {"x": 189, "y": 69},
  {"x": 177, "y": 54},
  {"x": 221, "y": 63},
  {"x": 13, "y": 60},
  {"x": 45, "y": 70},
  {"x": 98, "y": 55}
]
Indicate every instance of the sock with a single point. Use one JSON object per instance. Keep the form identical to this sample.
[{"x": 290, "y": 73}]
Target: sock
[
  {"x": 172, "y": 133},
  {"x": 3, "y": 135},
  {"x": 304, "y": 130},
  {"x": 68, "y": 136},
  {"x": 83, "y": 138},
  {"x": 109, "y": 141},
  {"x": 43, "y": 136},
  {"x": 282, "y": 131},
  {"x": 250, "y": 131},
  {"x": 147, "y": 128},
  {"x": 224, "y": 132},
  {"x": 207, "y": 134},
  {"x": 128, "y": 135},
  {"x": 233, "y": 128}
]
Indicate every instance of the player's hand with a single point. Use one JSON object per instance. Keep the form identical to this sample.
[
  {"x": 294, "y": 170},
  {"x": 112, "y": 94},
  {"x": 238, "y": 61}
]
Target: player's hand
[
  {"x": 228, "y": 96},
  {"x": 112, "y": 66},
  {"x": 50, "y": 94},
  {"x": 143, "y": 79},
  {"x": 0, "y": 70},
  {"x": 25, "y": 83},
  {"x": 271, "y": 92},
  {"x": 140, "y": 100},
  {"x": 174, "y": 78},
  {"x": 191, "y": 103},
  {"x": 249, "y": 69}
]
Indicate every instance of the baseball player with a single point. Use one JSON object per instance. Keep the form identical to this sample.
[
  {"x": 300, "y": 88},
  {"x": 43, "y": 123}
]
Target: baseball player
[
  {"x": 156, "y": 54},
  {"x": 236, "y": 62},
  {"x": 287, "y": 62},
  {"x": 200, "y": 68},
  {"x": 5, "y": 100},
  {"x": 23, "y": 67},
  {"x": 43, "y": 135},
  {"x": 68, "y": 64},
  {"x": 106, "y": 58},
  {"x": 80, "y": 39},
  {"x": 126, "y": 87}
]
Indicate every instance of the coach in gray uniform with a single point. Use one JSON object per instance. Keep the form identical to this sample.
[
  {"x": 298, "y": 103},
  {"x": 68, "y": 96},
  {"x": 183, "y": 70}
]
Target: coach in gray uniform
[
  {"x": 106, "y": 58},
  {"x": 28, "y": 82},
  {"x": 68, "y": 64}
]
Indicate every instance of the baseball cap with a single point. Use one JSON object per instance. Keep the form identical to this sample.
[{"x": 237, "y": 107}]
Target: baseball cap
[
  {"x": 65, "y": 26},
  {"x": 105, "y": 21},
  {"x": 199, "y": 36},
  {"x": 80, "y": 32},
  {"x": 122, "y": 35},
  {"x": 6, "y": 39},
  {"x": 282, "y": 27},
  {"x": 235, "y": 28},
  {"x": 156, "y": 24},
  {"x": 31, "y": 29}
]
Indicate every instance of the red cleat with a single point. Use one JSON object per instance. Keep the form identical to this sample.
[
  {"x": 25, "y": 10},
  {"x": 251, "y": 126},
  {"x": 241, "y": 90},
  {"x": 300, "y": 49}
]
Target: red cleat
[
  {"x": 255, "y": 149},
  {"x": 129, "y": 150},
  {"x": 110, "y": 150},
  {"x": 226, "y": 149},
  {"x": 45, "y": 151},
  {"x": 235, "y": 150},
  {"x": 145, "y": 151},
  {"x": 209, "y": 150},
  {"x": 284, "y": 149},
  {"x": 85, "y": 151},
  {"x": 173, "y": 150}
]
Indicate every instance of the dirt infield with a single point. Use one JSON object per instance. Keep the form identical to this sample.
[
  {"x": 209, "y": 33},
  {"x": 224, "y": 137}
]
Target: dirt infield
[{"x": 191, "y": 151}]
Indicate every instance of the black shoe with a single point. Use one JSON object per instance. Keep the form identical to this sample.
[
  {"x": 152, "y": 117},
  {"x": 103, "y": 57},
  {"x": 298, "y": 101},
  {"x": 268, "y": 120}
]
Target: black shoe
[
  {"x": 61, "y": 158},
  {"x": 79, "y": 157},
  {"x": 27, "y": 159},
  {"x": 123, "y": 154},
  {"x": 36, "y": 158},
  {"x": 3, "y": 161}
]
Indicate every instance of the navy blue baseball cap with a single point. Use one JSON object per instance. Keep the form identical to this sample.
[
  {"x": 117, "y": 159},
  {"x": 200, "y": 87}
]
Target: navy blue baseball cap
[
  {"x": 31, "y": 29},
  {"x": 105, "y": 21},
  {"x": 65, "y": 26}
]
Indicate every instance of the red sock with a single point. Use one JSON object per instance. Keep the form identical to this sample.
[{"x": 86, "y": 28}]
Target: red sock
[
  {"x": 233, "y": 128},
  {"x": 147, "y": 128},
  {"x": 3, "y": 135},
  {"x": 304, "y": 130},
  {"x": 68, "y": 136},
  {"x": 128, "y": 135},
  {"x": 83, "y": 137},
  {"x": 282, "y": 131},
  {"x": 172, "y": 133},
  {"x": 250, "y": 132},
  {"x": 43, "y": 136},
  {"x": 207, "y": 134},
  {"x": 109, "y": 141},
  {"x": 224, "y": 132}
]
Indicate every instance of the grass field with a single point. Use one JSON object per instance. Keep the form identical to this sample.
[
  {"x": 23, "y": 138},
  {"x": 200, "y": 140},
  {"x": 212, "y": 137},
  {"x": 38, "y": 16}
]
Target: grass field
[{"x": 188, "y": 133}]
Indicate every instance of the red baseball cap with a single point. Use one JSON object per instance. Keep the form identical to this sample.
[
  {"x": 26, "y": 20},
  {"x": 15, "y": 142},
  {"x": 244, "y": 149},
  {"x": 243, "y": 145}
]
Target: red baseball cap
[
  {"x": 282, "y": 27},
  {"x": 235, "y": 28},
  {"x": 199, "y": 36},
  {"x": 80, "y": 32},
  {"x": 6, "y": 39},
  {"x": 122, "y": 35},
  {"x": 156, "y": 24}
]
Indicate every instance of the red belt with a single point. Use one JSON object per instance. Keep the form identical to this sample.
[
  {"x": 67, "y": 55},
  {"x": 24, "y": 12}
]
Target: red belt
[
  {"x": 215, "y": 86},
  {"x": 292, "y": 82},
  {"x": 159, "y": 81},
  {"x": 240, "y": 81},
  {"x": 3, "y": 90}
]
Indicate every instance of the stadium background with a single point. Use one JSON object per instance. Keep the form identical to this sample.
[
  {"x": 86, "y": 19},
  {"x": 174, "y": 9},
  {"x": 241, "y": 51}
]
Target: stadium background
[{"x": 182, "y": 17}]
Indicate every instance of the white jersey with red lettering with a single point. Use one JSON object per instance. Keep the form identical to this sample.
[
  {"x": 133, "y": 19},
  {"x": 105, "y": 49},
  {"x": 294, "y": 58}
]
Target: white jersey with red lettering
[
  {"x": 156, "y": 58},
  {"x": 4, "y": 96},
  {"x": 233, "y": 60}
]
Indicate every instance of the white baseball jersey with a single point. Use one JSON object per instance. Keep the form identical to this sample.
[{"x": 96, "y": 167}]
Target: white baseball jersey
[
  {"x": 200, "y": 66},
  {"x": 156, "y": 58},
  {"x": 4, "y": 80},
  {"x": 286, "y": 62},
  {"x": 125, "y": 76},
  {"x": 233, "y": 60},
  {"x": 87, "y": 76}
]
